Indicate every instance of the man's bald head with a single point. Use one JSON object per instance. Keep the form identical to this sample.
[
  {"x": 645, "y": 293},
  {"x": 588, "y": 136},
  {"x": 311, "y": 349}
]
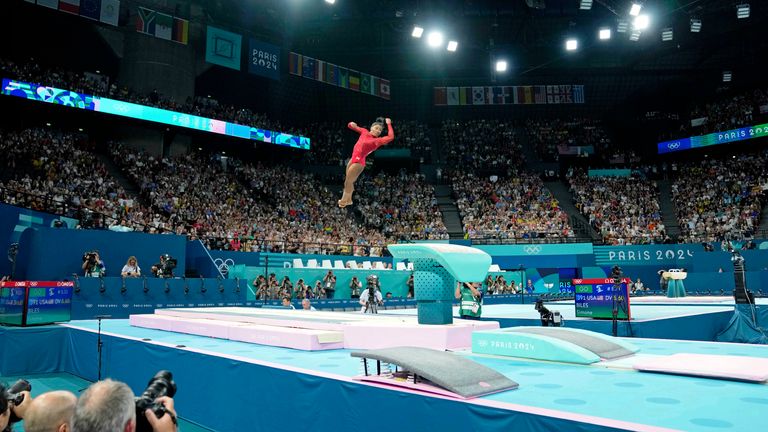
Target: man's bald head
[{"x": 51, "y": 412}]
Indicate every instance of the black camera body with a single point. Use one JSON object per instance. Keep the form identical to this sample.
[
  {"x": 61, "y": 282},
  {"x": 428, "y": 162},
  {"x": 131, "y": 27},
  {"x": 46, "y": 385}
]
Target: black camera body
[
  {"x": 161, "y": 384},
  {"x": 90, "y": 258},
  {"x": 15, "y": 397}
]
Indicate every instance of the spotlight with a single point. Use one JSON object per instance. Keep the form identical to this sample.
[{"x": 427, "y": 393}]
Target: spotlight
[
  {"x": 452, "y": 45},
  {"x": 605, "y": 34},
  {"x": 622, "y": 26},
  {"x": 417, "y": 32},
  {"x": 330, "y": 1},
  {"x": 586, "y": 5},
  {"x": 435, "y": 39},
  {"x": 48, "y": 124},
  {"x": 501, "y": 66},
  {"x": 695, "y": 25},
  {"x": 666, "y": 34},
  {"x": 634, "y": 36},
  {"x": 727, "y": 76},
  {"x": 641, "y": 22},
  {"x": 742, "y": 10},
  {"x": 571, "y": 45},
  {"x": 635, "y": 9}
]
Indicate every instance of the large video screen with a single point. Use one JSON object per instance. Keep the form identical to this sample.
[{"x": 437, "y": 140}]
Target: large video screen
[
  {"x": 717, "y": 138},
  {"x": 87, "y": 102}
]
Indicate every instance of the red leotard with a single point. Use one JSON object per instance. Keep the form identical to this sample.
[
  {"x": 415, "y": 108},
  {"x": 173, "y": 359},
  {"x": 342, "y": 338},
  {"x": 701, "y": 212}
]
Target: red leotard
[{"x": 368, "y": 143}]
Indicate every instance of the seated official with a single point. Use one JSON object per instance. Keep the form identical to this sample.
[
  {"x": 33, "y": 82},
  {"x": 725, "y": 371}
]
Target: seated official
[
  {"x": 287, "y": 303},
  {"x": 131, "y": 268},
  {"x": 306, "y": 304}
]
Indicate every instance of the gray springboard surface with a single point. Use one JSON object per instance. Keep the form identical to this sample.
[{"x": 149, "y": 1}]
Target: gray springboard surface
[
  {"x": 455, "y": 373},
  {"x": 603, "y": 348}
]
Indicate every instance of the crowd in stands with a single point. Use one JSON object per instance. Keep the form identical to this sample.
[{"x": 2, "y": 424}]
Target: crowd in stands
[
  {"x": 721, "y": 199},
  {"x": 517, "y": 207},
  {"x": 402, "y": 206},
  {"x": 623, "y": 210},
  {"x": 551, "y": 137},
  {"x": 56, "y": 172},
  {"x": 733, "y": 111},
  {"x": 481, "y": 145}
]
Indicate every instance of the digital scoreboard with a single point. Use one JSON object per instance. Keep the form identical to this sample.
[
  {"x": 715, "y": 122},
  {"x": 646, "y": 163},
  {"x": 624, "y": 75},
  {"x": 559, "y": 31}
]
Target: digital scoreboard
[
  {"x": 26, "y": 303},
  {"x": 595, "y": 298}
]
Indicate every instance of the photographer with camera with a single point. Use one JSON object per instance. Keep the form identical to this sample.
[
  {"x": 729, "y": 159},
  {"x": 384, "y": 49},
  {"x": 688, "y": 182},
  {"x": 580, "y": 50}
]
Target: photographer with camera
[
  {"x": 14, "y": 403},
  {"x": 355, "y": 286},
  {"x": 371, "y": 297},
  {"x": 93, "y": 266},
  {"x": 131, "y": 268},
  {"x": 329, "y": 284},
  {"x": 471, "y": 300},
  {"x": 109, "y": 406},
  {"x": 164, "y": 269}
]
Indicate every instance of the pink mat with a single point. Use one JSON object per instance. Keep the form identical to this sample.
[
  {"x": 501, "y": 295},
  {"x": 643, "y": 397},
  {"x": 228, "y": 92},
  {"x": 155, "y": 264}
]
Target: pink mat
[
  {"x": 303, "y": 339},
  {"x": 711, "y": 366}
]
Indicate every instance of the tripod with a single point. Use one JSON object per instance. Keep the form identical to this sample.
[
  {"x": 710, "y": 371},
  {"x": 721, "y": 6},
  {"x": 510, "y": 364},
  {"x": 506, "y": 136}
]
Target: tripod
[{"x": 99, "y": 343}]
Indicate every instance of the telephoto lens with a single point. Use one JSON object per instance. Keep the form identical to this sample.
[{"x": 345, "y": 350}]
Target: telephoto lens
[{"x": 160, "y": 385}]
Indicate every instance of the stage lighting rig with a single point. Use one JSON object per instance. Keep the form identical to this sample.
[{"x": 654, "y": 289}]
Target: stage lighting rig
[
  {"x": 635, "y": 9},
  {"x": 667, "y": 34},
  {"x": 742, "y": 11},
  {"x": 585, "y": 5},
  {"x": 571, "y": 45},
  {"x": 417, "y": 32},
  {"x": 695, "y": 25},
  {"x": 605, "y": 34}
]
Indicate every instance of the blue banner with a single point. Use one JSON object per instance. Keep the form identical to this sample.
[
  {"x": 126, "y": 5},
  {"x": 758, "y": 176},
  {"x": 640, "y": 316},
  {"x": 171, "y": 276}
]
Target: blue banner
[
  {"x": 733, "y": 135},
  {"x": 264, "y": 59},
  {"x": 142, "y": 112}
]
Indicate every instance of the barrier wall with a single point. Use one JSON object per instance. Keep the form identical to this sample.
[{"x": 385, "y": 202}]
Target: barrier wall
[
  {"x": 54, "y": 254},
  {"x": 123, "y": 297}
]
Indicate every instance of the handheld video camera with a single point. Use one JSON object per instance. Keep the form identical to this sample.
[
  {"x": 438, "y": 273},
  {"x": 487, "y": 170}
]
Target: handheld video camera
[
  {"x": 14, "y": 396},
  {"x": 161, "y": 384},
  {"x": 90, "y": 258}
]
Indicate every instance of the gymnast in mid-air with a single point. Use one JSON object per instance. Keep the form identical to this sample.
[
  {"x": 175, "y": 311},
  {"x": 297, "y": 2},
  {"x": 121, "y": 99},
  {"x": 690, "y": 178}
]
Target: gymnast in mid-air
[{"x": 368, "y": 142}]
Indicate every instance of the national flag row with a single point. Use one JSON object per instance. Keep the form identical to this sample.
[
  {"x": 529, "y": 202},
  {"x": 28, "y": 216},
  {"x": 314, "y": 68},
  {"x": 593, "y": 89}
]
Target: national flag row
[
  {"x": 339, "y": 76},
  {"x": 510, "y": 95},
  {"x": 106, "y": 11},
  {"x": 162, "y": 25}
]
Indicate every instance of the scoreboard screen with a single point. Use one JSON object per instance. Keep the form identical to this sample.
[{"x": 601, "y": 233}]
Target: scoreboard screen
[
  {"x": 595, "y": 298},
  {"x": 34, "y": 302}
]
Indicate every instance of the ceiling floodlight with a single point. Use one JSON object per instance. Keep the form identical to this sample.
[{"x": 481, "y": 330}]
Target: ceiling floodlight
[
  {"x": 435, "y": 39},
  {"x": 635, "y": 9},
  {"x": 605, "y": 34},
  {"x": 417, "y": 32}
]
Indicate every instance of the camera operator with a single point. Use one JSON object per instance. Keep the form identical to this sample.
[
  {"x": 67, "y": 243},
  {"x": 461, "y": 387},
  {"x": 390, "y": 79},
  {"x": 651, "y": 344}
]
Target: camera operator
[
  {"x": 109, "y": 406},
  {"x": 355, "y": 286},
  {"x": 51, "y": 412},
  {"x": 131, "y": 268},
  {"x": 371, "y": 297},
  {"x": 471, "y": 300},
  {"x": 409, "y": 283},
  {"x": 164, "y": 269},
  {"x": 93, "y": 266},
  {"x": 14, "y": 403},
  {"x": 329, "y": 283}
]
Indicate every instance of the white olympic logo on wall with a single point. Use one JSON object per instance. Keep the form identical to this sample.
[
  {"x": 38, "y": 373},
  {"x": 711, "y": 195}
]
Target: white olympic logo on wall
[
  {"x": 224, "y": 264},
  {"x": 532, "y": 250},
  {"x": 673, "y": 146}
]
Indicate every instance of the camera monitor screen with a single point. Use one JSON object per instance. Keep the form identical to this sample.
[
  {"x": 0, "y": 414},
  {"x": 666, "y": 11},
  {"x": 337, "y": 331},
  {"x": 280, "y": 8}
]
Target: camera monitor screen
[{"x": 595, "y": 298}]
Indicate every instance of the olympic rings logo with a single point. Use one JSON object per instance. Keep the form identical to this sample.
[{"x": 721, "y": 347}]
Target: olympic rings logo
[
  {"x": 532, "y": 250},
  {"x": 673, "y": 146},
  {"x": 224, "y": 265}
]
